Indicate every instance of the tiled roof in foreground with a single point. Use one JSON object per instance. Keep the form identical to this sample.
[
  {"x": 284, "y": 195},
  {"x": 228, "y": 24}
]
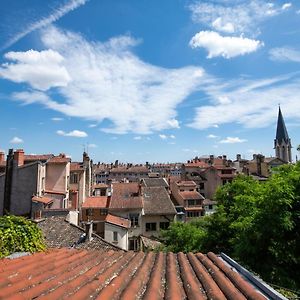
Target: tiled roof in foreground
[{"x": 82, "y": 274}]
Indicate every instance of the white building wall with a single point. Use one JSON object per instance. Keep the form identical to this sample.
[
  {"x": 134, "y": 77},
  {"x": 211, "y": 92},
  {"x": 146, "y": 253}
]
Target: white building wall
[
  {"x": 154, "y": 219},
  {"x": 122, "y": 233}
]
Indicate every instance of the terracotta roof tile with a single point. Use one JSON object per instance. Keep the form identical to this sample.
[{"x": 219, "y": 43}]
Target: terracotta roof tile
[
  {"x": 191, "y": 195},
  {"x": 95, "y": 202},
  {"x": 81, "y": 274},
  {"x": 45, "y": 200},
  {"x": 157, "y": 201},
  {"x": 59, "y": 160},
  {"x": 75, "y": 166},
  {"x": 125, "y": 195},
  {"x": 59, "y": 233},
  {"x": 37, "y": 157},
  {"x": 122, "y": 222}
]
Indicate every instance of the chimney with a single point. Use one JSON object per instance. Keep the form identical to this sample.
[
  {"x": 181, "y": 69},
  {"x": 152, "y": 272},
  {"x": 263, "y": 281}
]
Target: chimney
[
  {"x": 19, "y": 157},
  {"x": 88, "y": 230},
  {"x": 238, "y": 157},
  {"x": 2, "y": 155},
  {"x": 254, "y": 156},
  {"x": 211, "y": 159}
]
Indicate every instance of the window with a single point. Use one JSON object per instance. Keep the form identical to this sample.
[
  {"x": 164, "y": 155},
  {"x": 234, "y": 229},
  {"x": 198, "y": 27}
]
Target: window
[
  {"x": 94, "y": 226},
  {"x": 134, "y": 219},
  {"x": 210, "y": 206},
  {"x": 193, "y": 214},
  {"x": 89, "y": 212},
  {"x": 164, "y": 225},
  {"x": 73, "y": 178},
  {"x": 201, "y": 186},
  {"x": 150, "y": 226},
  {"x": 133, "y": 244},
  {"x": 115, "y": 236},
  {"x": 103, "y": 211}
]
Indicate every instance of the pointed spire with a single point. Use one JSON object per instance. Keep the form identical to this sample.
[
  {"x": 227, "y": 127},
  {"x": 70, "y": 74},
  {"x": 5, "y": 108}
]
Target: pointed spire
[{"x": 281, "y": 133}]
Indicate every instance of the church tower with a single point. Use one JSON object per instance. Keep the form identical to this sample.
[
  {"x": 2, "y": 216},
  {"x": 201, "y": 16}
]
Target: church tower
[{"x": 282, "y": 142}]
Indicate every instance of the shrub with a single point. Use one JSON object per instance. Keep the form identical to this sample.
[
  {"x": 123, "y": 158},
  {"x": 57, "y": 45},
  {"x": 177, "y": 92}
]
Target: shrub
[{"x": 17, "y": 234}]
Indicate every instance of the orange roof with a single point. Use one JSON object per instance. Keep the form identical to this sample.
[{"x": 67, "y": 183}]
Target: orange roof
[
  {"x": 122, "y": 222},
  {"x": 44, "y": 200},
  {"x": 75, "y": 166},
  {"x": 95, "y": 202},
  {"x": 125, "y": 195},
  {"x": 190, "y": 195},
  {"x": 186, "y": 183},
  {"x": 59, "y": 160},
  {"x": 81, "y": 274},
  {"x": 34, "y": 157},
  {"x": 200, "y": 164}
]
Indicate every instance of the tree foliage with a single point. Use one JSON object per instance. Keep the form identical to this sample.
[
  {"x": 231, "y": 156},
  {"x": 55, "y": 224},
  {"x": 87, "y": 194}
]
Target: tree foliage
[
  {"x": 18, "y": 234},
  {"x": 258, "y": 224}
]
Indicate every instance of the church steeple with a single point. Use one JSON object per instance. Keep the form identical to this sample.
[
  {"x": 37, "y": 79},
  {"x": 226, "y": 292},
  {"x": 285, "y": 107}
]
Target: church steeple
[{"x": 282, "y": 142}]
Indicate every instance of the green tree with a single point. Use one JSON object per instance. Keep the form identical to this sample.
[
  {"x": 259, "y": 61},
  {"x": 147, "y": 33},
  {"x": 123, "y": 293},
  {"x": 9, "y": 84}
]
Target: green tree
[{"x": 19, "y": 234}]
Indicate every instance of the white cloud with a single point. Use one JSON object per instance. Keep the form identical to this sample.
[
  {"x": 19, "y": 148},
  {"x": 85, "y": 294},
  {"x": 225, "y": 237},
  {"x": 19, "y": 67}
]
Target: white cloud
[
  {"x": 224, "y": 46},
  {"x": 163, "y": 136},
  {"x": 57, "y": 119},
  {"x": 215, "y": 126},
  {"x": 106, "y": 73},
  {"x": 16, "y": 140},
  {"x": 286, "y": 6},
  {"x": 230, "y": 17},
  {"x": 54, "y": 16},
  {"x": 232, "y": 140},
  {"x": 92, "y": 125},
  {"x": 137, "y": 138},
  {"x": 212, "y": 136},
  {"x": 92, "y": 146},
  {"x": 254, "y": 103},
  {"x": 42, "y": 70},
  {"x": 73, "y": 133},
  {"x": 285, "y": 54},
  {"x": 224, "y": 100},
  {"x": 172, "y": 136},
  {"x": 219, "y": 25}
]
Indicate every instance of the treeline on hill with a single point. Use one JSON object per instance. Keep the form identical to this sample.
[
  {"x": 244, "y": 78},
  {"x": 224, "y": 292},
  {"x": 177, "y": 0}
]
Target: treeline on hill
[{"x": 258, "y": 224}]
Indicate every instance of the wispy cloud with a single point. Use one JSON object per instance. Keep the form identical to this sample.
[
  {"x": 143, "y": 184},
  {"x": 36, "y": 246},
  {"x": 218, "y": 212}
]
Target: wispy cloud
[
  {"x": 285, "y": 54},
  {"x": 232, "y": 140},
  {"x": 254, "y": 103},
  {"x": 234, "y": 17},
  {"x": 225, "y": 46},
  {"x": 163, "y": 136},
  {"x": 16, "y": 140},
  {"x": 212, "y": 136},
  {"x": 57, "y": 119},
  {"x": 137, "y": 138},
  {"x": 73, "y": 133},
  {"x": 53, "y": 17},
  {"x": 96, "y": 77}
]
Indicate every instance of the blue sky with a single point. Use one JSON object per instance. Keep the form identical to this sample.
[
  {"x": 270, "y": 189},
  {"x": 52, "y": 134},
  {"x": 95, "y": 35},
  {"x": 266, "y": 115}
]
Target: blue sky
[{"x": 157, "y": 81}]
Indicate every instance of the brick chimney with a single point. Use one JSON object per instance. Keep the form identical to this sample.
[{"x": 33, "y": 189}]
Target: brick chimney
[
  {"x": 2, "y": 156},
  {"x": 19, "y": 157}
]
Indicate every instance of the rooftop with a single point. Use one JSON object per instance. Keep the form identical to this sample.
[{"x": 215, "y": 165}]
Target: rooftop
[
  {"x": 115, "y": 220},
  {"x": 80, "y": 274},
  {"x": 95, "y": 202},
  {"x": 157, "y": 201},
  {"x": 152, "y": 182},
  {"x": 125, "y": 195},
  {"x": 59, "y": 233}
]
